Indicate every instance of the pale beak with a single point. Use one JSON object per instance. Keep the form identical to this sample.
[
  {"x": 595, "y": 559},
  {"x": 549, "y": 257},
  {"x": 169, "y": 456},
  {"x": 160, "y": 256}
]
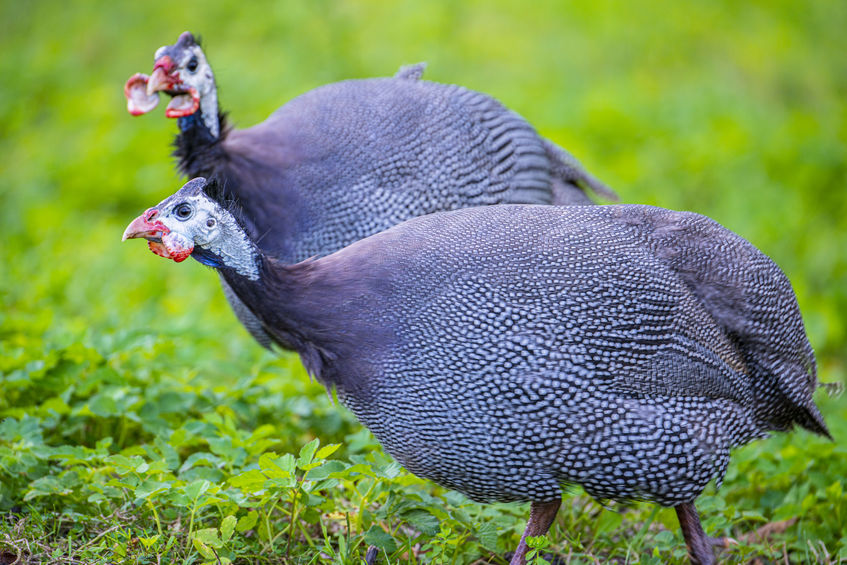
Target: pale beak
[
  {"x": 161, "y": 79},
  {"x": 161, "y": 241},
  {"x": 142, "y": 226}
]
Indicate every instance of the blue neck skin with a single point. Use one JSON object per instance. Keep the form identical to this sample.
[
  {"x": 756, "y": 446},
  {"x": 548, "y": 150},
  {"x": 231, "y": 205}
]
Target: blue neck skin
[
  {"x": 207, "y": 258},
  {"x": 195, "y": 126},
  {"x": 187, "y": 122}
]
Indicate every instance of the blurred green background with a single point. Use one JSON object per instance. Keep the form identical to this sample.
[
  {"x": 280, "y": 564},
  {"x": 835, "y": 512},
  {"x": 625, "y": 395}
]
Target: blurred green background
[
  {"x": 737, "y": 110},
  {"x": 734, "y": 110}
]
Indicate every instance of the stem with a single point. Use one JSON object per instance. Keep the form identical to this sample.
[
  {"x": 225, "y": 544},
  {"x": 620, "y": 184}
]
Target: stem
[
  {"x": 293, "y": 516},
  {"x": 307, "y": 536},
  {"x": 347, "y": 534},
  {"x": 268, "y": 514},
  {"x": 362, "y": 503},
  {"x": 190, "y": 525},
  {"x": 643, "y": 531},
  {"x": 156, "y": 516},
  {"x": 122, "y": 435},
  {"x": 456, "y": 549}
]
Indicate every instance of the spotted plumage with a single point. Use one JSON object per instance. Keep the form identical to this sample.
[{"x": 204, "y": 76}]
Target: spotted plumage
[
  {"x": 507, "y": 351},
  {"x": 350, "y": 159}
]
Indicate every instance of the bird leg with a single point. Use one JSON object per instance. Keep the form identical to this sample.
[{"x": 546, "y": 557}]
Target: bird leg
[
  {"x": 699, "y": 546},
  {"x": 371, "y": 555},
  {"x": 541, "y": 516}
]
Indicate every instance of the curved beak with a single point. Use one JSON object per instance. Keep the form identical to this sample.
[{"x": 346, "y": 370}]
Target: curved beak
[
  {"x": 160, "y": 239},
  {"x": 143, "y": 226},
  {"x": 163, "y": 77}
]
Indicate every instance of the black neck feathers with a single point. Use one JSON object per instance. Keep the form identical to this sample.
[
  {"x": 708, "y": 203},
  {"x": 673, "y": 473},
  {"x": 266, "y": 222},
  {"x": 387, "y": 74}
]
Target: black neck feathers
[{"x": 199, "y": 152}]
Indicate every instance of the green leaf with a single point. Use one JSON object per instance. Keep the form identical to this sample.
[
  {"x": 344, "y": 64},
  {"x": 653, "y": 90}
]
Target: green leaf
[
  {"x": 277, "y": 467},
  {"x": 391, "y": 471},
  {"x": 664, "y": 539},
  {"x": 123, "y": 464},
  {"x": 834, "y": 491},
  {"x": 46, "y": 486},
  {"x": 196, "y": 488},
  {"x": 251, "y": 480},
  {"x": 223, "y": 447},
  {"x": 380, "y": 538},
  {"x": 200, "y": 458},
  {"x": 264, "y": 532},
  {"x": 148, "y": 542},
  {"x": 170, "y": 455},
  {"x": 327, "y": 450},
  {"x": 218, "y": 560},
  {"x": 150, "y": 487},
  {"x": 247, "y": 522},
  {"x": 208, "y": 536},
  {"x": 307, "y": 452},
  {"x": 102, "y": 405},
  {"x": 425, "y": 522},
  {"x": 227, "y": 527},
  {"x": 203, "y": 549},
  {"x": 608, "y": 521},
  {"x": 487, "y": 535},
  {"x": 325, "y": 470}
]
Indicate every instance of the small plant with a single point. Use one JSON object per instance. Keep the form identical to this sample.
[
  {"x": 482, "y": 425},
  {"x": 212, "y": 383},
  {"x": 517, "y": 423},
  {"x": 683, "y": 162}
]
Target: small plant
[{"x": 537, "y": 545}]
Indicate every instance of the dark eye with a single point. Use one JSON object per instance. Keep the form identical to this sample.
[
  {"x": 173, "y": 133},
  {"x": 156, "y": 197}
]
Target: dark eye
[
  {"x": 192, "y": 64},
  {"x": 184, "y": 211},
  {"x": 210, "y": 222}
]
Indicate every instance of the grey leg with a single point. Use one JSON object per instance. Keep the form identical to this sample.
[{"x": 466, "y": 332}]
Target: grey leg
[
  {"x": 699, "y": 546},
  {"x": 541, "y": 516}
]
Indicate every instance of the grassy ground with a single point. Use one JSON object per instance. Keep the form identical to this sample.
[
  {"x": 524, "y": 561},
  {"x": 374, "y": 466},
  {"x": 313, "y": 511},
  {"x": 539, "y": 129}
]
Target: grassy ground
[{"x": 139, "y": 424}]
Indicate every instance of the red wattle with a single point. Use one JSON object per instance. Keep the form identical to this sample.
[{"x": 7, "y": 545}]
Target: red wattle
[
  {"x": 138, "y": 102},
  {"x": 176, "y": 110},
  {"x": 178, "y": 246}
]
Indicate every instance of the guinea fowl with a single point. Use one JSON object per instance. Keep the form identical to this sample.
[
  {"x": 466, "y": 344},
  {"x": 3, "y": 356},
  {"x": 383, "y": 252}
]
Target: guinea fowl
[
  {"x": 505, "y": 351},
  {"x": 350, "y": 159}
]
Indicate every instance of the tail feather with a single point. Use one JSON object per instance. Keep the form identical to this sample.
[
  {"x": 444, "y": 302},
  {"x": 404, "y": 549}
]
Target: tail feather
[
  {"x": 411, "y": 72},
  {"x": 572, "y": 176},
  {"x": 811, "y": 418},
  {"x": 804, "y": 411}
]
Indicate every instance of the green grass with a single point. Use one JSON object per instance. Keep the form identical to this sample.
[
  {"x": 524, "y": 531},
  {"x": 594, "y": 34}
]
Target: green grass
[{"x": 139, "y": 424}]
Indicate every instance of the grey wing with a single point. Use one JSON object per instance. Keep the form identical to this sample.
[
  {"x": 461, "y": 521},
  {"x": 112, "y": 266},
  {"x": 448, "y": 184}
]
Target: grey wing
[
  {"x": 362, "y": 156},
  {"x": 477, "y": 151},
  {"x": 503, "y": 143}
]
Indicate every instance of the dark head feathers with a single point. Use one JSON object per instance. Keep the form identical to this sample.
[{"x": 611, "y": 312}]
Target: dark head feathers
[
  {"x": 194, "y": 187},
  {"x": 210, "y": 187},
  {"x": 187, "y": 39},
  {"x": 215, "y": 189}
]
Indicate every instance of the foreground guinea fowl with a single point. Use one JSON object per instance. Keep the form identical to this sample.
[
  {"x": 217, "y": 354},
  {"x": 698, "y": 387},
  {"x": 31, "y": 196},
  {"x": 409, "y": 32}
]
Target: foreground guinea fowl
[
  {"x": 350, "y": 159},
  {"x": 505, "y": 351}
]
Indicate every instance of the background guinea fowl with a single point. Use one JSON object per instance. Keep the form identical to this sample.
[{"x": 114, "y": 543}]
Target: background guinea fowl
[
  {"x": 505, "y": 351},
  {"x": 350, "y": 159}
]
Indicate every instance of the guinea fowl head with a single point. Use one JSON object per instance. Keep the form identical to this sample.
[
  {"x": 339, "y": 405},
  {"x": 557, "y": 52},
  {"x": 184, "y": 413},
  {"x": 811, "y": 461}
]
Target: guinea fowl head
[
  {"x": 181, "y": 71},
  {"x": 189, "y": 223}
]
